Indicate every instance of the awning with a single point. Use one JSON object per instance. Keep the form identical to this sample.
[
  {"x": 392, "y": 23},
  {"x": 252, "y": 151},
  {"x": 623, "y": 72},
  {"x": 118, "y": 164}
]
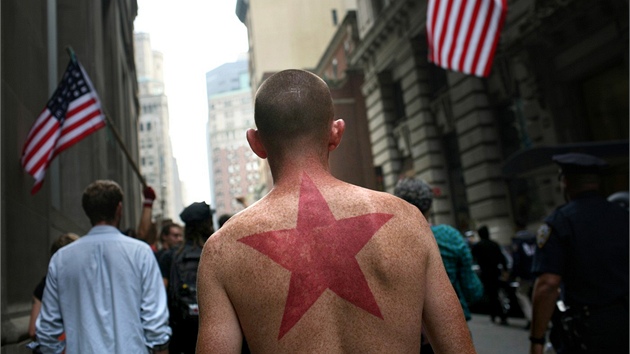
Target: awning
[{"x": 532, "y": 159}]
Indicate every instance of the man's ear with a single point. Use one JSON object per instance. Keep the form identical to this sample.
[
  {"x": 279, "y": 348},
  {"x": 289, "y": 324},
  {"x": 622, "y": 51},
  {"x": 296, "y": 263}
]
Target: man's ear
[
  {"x": 336, "y": 133},
  {"x": 255, "y": 144}
]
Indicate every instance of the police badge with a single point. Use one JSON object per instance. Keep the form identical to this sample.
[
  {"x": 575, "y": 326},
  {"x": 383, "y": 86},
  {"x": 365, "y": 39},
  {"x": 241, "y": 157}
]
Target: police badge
[{"x": 543, "y": 235}]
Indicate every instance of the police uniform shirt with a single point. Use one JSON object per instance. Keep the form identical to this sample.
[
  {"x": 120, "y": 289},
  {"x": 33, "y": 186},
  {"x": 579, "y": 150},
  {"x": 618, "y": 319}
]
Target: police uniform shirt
[{"x": 586, "y": 243}]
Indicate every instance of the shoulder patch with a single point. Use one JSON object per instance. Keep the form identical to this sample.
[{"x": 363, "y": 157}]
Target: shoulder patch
[{"x": 543, "y": 235}]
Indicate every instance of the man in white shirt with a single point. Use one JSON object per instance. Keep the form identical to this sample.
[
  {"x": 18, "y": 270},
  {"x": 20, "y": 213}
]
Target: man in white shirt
[{"x": 105, "y": 292}]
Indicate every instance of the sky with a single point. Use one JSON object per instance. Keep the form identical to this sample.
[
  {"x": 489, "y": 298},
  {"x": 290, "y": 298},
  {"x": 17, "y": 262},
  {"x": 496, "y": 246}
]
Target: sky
[{"x": 195, "y": 37}]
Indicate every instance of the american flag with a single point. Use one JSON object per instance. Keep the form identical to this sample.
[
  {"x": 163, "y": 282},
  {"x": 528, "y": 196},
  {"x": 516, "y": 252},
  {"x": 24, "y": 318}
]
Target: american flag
[
  {"x": 71, "y": 114},
  {"x": 463, "y": 34}
]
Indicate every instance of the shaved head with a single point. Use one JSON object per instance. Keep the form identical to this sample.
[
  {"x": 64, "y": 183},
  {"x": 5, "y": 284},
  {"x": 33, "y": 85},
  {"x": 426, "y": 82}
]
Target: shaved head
[{"x": 291, "y": 105}]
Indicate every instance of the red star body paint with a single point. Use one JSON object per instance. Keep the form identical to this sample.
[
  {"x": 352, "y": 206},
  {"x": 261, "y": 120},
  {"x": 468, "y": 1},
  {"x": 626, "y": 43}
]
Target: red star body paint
[{"x": 320, "y": 253}]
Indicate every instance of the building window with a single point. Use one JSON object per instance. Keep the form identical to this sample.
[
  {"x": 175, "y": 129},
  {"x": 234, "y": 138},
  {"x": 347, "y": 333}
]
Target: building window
[
  {"x": 335, "y": 20},
  {"x": 148, "y": 126},
  {"x": 437, "y": 80},
  {"x": 456, "y": 181},
  {"x": 399, "y": 102}
]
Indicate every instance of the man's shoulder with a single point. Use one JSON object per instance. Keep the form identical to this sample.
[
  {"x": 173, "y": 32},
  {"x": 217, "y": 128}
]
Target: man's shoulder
[
  {"x": 285, "y": 212},
  {"x": 135, "y": 243}
]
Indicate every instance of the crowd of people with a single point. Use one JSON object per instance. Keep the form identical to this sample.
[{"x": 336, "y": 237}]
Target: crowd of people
[{"x": 320, "y": 265}]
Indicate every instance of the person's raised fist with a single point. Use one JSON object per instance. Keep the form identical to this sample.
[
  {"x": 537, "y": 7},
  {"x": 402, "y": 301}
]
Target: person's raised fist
[{"x": 149, "y": 196}]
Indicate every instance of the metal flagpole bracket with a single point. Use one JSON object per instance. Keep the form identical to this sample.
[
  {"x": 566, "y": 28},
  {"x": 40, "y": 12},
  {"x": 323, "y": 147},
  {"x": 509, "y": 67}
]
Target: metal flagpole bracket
[{"x": 71, "y": 53}]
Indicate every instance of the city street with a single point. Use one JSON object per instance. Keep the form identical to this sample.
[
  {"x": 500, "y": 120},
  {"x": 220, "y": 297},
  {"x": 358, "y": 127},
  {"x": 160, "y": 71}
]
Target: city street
[
  {"x": 488, "y": 338},
  {"x": 492, "y": 338}
]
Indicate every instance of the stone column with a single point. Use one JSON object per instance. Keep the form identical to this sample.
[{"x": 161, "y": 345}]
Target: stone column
[
  {"x": 378, "y": 102},
  {"x": 424, "y": 136},
  {"x": 480, "y": 156}
]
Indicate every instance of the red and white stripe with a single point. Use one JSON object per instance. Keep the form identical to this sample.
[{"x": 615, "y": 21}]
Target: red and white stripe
[
  {"x": 463, "y": 34},
  {"x": 40, "y": 146},
  {"x": 84, "y": 117},
  {"x": 48, "y": 137}
]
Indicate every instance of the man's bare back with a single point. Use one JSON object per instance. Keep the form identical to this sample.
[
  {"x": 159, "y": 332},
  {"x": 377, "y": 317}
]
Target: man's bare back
[
  {"x": 319, "y": 265},
  {"x": 324, "y": 267}
]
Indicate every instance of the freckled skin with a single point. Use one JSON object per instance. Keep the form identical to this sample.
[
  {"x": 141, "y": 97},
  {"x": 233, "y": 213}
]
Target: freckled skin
[
  {"x": 320, "y": 253},
  {"x": 319, "y": 265}
]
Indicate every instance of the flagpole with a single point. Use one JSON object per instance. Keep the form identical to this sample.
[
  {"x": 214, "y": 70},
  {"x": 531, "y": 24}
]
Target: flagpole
[
  {"x": 110, "y": 124},
  {"x": 73, "y": 56}
]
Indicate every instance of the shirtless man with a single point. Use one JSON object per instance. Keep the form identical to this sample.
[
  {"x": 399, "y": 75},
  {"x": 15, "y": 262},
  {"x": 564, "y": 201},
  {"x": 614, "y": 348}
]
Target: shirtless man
[{"x": 319, "y": 265}]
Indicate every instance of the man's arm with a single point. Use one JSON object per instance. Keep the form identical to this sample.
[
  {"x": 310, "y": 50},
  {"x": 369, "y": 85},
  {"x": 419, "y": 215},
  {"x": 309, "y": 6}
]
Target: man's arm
[
  {"x": 144, "y": 226},
  {"x": 443, "y": 314},
  {"x": 544, "y": 300},
  {"x": 49, "y": 324},
  {"x": 36, "y": 307},
  {"x": 153, "y": 310},
  {"x": 219, "y": 329}
]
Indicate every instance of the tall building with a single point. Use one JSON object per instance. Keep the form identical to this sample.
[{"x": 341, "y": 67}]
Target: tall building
[
  {"x": 156, "y": 154},
  {"x": 233, "y": 167},
  {"x": 297, "y": 41},
  {"x": 33, "y": 49}
]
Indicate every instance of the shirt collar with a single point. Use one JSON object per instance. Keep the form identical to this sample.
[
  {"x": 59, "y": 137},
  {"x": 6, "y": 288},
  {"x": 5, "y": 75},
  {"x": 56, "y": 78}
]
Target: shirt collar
[{"x": 103, "y": 229}]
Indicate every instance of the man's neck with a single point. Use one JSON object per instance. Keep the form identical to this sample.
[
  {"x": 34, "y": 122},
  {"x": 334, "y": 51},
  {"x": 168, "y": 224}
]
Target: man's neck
[
  {"x": 290, "y": 171},
  {"x": 106, "y": 223}
]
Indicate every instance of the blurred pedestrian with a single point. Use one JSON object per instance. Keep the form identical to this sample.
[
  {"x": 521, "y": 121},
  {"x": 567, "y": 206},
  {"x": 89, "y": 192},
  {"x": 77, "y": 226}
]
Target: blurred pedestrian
[
  {"x": 104, "y": 290},
  {"x": 582, "y": 250},
  {"x": 182, "y": 284},
  {"x": 171, "y": 237},
  {"x": 38, "y": 293},
  {"x": 453, "y": 247},
  {"x": 320, "y": 265},
  {"x": 523, "y": 249},
  {"x": 492, "y": 264}
]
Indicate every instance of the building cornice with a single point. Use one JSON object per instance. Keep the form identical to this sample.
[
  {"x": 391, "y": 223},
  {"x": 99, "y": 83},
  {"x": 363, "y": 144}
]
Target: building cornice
[
  {"x": 338, "y": 37},
  {"x": 394, "y": 18}
]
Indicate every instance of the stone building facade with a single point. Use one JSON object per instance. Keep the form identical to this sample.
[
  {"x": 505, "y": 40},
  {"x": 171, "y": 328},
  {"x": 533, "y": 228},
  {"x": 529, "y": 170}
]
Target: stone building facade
[
  {"x": 560, "y": 77},
  {"x": 352, "y": 161},
  {"x": 294, "y": 42},
  {"x": 101, "y": 34}
]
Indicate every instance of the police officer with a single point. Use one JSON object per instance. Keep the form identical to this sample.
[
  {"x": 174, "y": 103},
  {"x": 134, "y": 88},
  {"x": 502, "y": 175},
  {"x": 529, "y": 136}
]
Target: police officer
[{"x": 582, "y": 259}]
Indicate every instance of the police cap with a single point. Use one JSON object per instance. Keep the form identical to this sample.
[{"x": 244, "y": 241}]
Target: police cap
[
  {"x": 197, "y": 211},
  {"x": 577, "y": 163}
]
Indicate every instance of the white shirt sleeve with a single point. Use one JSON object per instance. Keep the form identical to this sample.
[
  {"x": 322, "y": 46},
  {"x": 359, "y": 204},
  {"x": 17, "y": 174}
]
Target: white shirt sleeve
[
  {"x": 154, "y": 310},
  {"x": 49, "y": 324}
]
